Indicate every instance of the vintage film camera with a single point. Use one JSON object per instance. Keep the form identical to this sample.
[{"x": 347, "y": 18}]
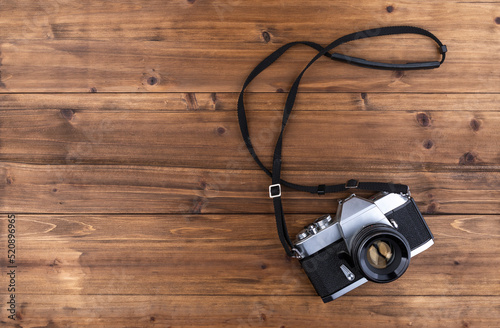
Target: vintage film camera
[{"x": 370, "y": 239}]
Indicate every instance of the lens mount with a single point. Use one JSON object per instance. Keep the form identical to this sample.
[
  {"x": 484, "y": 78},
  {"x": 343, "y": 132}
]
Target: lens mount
[{"x": 381, "y": 253}]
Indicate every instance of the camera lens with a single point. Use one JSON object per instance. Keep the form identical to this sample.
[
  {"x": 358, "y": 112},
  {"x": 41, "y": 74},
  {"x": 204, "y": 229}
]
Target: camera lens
[{"x": 381, "y": 253}]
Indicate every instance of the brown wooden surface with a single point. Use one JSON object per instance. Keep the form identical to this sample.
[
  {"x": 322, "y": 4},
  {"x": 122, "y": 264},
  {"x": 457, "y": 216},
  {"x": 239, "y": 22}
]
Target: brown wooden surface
[{"x": 137, "y": 204}]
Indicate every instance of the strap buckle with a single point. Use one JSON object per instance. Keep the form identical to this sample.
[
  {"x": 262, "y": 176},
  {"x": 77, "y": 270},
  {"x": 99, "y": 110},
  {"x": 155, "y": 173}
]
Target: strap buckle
[
  {"x": 273, "y": 192},
  {"x": 352, "y": 184}
]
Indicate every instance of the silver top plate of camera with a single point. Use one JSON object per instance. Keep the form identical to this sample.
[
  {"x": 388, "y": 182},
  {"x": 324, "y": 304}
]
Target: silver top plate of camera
[
  {"x": 317, "y": 236},
  {"x": 353, "y": 214}
]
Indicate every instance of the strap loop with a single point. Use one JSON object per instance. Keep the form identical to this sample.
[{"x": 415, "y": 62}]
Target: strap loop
[{"x": 321, "y": 189}]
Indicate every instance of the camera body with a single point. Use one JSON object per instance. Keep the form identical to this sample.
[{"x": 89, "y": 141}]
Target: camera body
[{"x": 370, "y": 239}]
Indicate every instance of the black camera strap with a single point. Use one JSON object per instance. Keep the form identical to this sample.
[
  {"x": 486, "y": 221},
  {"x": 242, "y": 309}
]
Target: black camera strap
[{"x": 275, "y": 174}]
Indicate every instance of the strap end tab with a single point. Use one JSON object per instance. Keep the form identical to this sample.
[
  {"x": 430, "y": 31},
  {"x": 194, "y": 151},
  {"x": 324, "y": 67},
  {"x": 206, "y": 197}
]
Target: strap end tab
[{"x": 352, "y": 184}]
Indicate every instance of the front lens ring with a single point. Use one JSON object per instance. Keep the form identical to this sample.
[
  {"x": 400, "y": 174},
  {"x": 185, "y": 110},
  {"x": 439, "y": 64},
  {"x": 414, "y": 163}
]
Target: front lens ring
[{"x": 400, "y": 257}]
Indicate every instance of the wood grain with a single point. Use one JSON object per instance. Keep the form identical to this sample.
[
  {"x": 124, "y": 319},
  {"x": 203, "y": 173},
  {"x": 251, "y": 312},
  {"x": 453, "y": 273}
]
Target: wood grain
[
  {"x": 138, "y": 206},
  {"x": 99, "y": 132},
  {"x": 234, "y": 21},
  {"x": 254, "y": 101},
  {"x": 151, "y": 189},
  {"x": 255, "y": 311},
  {"x": 172, "y": 67},
  {"x": 226, "y": 255},
  {"x": 151, "y": 46}
]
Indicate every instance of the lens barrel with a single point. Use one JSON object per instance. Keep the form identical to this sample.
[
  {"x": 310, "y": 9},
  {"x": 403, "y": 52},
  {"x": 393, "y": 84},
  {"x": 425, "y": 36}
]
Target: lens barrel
[{"x": 381, "y": 253}]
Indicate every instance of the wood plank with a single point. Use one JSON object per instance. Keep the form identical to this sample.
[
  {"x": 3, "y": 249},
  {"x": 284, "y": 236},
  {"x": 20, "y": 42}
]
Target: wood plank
[
  {"x": 233, "y": 21},
  {"x": 257, "y": 101},
  {"x": 316, "y": 140},
  {"x": 252, "y": 311},
  {"x": 243, "y": 22},
  {"x": 226, "y": 255},
  {"x": 153, "y": 46},
  {"x": 166, "y": 67},
  {"x": 134, "y": 189}
]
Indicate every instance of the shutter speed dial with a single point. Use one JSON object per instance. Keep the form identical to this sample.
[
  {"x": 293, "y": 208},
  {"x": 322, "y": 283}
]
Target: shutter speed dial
[{"x": 314, "y": 228}]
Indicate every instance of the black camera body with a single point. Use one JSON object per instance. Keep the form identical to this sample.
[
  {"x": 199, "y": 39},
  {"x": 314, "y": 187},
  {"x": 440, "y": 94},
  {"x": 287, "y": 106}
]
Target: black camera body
[{"x": 370, "y": 239}]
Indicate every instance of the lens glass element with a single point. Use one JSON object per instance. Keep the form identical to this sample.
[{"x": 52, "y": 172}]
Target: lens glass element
[{"x": 380, "y": 254}]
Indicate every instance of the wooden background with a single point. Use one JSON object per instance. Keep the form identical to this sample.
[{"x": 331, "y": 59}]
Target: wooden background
[{"x": 138, "y": 206}]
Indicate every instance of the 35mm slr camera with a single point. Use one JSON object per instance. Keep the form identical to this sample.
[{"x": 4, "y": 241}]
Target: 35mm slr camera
[{"x": 370, "y": 239}]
